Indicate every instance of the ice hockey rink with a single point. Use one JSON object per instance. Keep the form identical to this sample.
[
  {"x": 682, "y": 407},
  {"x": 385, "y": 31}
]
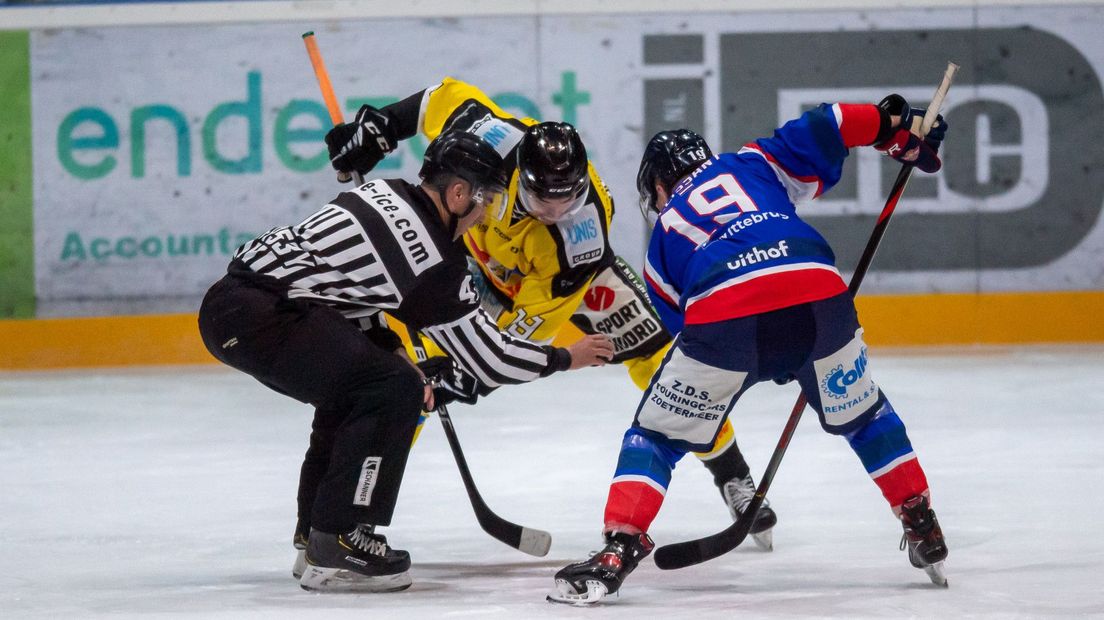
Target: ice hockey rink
[{"x": 169, "y": 493}]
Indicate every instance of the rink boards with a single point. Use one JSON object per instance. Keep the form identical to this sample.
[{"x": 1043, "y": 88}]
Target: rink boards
[
  {"x": 890, "y": 320},
  {"x": 131, "y": 180}
]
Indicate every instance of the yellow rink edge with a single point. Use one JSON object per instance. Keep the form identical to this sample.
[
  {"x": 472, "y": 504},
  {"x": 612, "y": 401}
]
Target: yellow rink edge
[{"x": 889, "y": 320}]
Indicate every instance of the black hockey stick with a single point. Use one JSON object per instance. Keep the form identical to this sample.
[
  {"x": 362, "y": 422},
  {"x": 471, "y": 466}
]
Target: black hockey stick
[
  {"x": 683, "y": 554},
  {"x": 524, "y": 539}
]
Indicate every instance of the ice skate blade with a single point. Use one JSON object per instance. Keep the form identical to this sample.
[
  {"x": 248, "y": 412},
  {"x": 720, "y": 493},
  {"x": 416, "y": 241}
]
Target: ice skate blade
[
  {"x": 566, "y": 594},
  {"x": 323, "y": 579},
  {"x": 300, "y": 564},
  {"x": 764, "y": 540},
  {"x": 936, "y": 574}
]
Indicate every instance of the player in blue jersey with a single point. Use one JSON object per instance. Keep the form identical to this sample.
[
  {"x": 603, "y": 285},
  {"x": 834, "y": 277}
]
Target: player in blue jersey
[{"x": 754, "y": 295}]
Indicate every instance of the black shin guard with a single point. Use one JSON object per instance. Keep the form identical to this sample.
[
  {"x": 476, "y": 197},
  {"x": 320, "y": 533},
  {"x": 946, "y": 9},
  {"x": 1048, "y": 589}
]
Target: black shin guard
[{"x": 727, "y": 465}]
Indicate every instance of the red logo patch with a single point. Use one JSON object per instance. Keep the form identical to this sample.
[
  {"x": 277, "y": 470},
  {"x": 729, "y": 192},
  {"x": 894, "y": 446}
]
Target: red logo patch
[{"x": 599, "y": 298}]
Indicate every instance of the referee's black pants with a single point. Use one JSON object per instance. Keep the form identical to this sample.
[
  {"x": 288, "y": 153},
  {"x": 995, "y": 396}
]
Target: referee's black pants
[{"x": 368, "y": 400}]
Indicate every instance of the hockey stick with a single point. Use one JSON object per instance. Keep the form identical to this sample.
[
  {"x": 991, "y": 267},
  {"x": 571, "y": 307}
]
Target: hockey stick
[
  {"x": 524, "y": 539},
  {"x": 328, "y": 96},
  {"x": 527, "y": 540},
  {"x": 683, "y": 554}
]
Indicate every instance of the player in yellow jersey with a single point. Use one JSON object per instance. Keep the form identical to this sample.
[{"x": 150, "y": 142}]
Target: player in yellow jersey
[{"x": 543, "y": 255}]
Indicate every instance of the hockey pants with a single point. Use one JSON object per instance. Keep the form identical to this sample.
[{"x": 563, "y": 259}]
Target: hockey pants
[{"x": 712, "y": 365}]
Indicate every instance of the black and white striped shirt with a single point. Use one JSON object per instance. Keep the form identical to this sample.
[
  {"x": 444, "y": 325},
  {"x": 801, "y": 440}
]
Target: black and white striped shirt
[{"x": 383, "y": 247}]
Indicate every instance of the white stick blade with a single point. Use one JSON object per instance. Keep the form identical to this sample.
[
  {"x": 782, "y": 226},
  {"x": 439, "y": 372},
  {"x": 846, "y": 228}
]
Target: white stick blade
[{"x": 535, "y": 542}]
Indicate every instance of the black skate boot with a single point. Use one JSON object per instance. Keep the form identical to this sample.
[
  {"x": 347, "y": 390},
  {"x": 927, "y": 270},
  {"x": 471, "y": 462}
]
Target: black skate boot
[
  {"x": 299, "y": 541},
  {"x": 585, "y": 583},
  {"x": 360, "y": 561},
  {"x": 737, "y": 494},
  {"x": 923, "y": 538}
]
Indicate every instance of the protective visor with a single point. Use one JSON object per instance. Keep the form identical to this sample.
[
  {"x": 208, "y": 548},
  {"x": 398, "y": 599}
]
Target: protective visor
[
  {"x": 491, "y": 197},
  {"x": 649, "y": 209},
  {"x": 552, "y": 210}
]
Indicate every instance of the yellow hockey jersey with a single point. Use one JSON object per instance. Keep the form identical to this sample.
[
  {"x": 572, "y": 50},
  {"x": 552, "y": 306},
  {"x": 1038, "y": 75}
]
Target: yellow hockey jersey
[{"x": 541, "y": 272}]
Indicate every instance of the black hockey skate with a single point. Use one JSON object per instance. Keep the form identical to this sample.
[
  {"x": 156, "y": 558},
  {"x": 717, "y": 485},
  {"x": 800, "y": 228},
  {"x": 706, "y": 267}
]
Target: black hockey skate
[
  {"x": 923, "y": 538},
  {"x": 737, "y": 494},
  {"x": 359, "y": 561},
  {"x": 586, "y": 583},
  {"x": 299, "y": 541}
]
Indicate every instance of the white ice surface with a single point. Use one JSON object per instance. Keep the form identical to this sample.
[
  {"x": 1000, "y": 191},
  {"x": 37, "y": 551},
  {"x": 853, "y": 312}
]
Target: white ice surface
[{"x": 170, "y": 493}]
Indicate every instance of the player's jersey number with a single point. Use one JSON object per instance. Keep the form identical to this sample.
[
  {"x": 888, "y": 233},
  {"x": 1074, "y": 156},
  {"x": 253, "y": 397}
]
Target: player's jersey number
[{"x": 706, "y": 200}]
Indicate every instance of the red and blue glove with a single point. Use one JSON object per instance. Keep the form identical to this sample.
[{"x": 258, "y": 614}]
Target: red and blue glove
[{"x": 905, "y": 146}]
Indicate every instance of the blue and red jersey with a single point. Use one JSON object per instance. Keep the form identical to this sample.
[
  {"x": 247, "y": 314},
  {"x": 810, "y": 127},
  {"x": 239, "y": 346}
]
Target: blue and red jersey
[{"x": 729, "y": 242}]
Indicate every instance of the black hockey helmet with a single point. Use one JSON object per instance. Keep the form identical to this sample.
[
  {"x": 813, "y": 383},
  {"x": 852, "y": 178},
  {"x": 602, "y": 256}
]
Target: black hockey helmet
[
  {"x": 669, "y": 156},
  {"x": 552, "y": 171},
  {"x": 467, "y": 156}
]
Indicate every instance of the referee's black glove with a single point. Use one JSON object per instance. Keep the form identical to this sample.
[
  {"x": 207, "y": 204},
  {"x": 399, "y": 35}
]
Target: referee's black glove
[
  {"x": 450, "y": 383},
  {"x": 360, "y": 145}
]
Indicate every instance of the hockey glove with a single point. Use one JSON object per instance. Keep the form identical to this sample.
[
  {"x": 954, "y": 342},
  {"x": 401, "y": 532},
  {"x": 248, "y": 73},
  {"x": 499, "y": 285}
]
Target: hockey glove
[
  {"x": 904, "y": 145},
  {"x": 360, "y": 145},
  {"x": 450, "y": 383}
]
